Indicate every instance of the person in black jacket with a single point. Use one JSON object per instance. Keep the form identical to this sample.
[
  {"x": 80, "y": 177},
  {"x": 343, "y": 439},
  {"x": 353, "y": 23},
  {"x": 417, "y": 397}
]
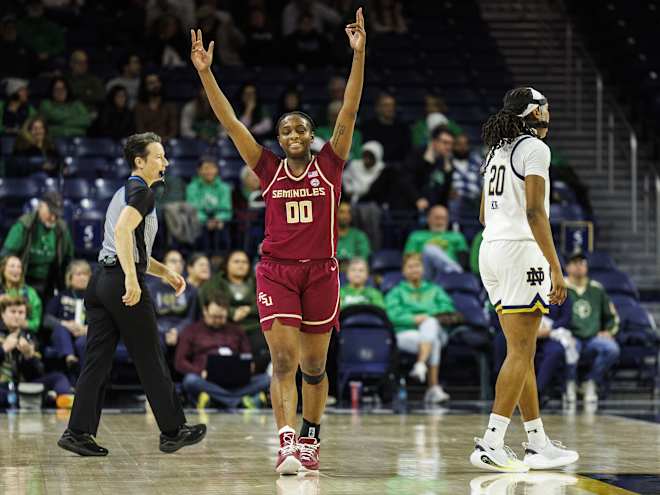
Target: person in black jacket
[
  {"x": 431, "y": 170},
  {"x": 116, "y": 120}
]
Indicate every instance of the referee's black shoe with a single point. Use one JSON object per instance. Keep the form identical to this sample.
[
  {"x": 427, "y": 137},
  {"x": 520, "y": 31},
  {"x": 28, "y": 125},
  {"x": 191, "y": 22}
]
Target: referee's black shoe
[
  {"x": 81, "y": 444},
  {"x": 187, "y": 435}
]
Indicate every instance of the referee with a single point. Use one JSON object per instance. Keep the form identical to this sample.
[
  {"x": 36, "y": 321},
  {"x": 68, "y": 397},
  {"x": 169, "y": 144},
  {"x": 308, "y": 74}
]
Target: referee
[{"x": 118, "y": 304}]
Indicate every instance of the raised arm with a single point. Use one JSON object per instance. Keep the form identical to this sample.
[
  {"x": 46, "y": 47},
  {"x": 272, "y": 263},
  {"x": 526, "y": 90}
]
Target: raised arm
[
  {"x": 247, "y": 146},
  {"x": 342, "y": 136}
]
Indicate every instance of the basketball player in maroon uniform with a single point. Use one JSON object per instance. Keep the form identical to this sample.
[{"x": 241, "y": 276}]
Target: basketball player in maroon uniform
[{"x": 298, "y": 276}]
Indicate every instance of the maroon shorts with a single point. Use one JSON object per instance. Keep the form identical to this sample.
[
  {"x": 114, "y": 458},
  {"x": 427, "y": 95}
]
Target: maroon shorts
[{"x": 304, "y": 295}]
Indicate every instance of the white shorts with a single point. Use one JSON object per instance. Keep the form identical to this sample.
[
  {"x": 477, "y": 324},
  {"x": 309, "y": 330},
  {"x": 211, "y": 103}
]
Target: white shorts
[{"x": 516, "y": 276}]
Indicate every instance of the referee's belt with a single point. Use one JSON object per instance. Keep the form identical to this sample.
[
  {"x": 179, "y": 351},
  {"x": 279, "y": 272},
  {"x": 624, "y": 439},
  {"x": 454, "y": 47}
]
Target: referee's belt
[{"x": 109, "y": 261}]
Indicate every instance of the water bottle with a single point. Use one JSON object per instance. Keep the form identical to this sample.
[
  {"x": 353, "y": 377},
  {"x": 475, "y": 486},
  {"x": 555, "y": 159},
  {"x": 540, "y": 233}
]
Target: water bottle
[
  {"x": 402, "y": 393},
  {"x": 401, "y": 397},
  {"x": 12, "y": 398}
]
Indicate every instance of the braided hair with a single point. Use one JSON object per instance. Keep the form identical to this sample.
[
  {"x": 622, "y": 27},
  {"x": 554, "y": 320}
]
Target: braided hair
[{"x": 505, "y": 126}]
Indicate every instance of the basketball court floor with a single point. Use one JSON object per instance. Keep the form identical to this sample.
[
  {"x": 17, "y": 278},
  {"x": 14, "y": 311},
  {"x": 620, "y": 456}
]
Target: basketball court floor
[{"x": 421, "y": 452}]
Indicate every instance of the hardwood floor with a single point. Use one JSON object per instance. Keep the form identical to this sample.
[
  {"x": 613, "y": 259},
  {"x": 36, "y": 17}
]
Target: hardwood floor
[{"x": 362, "y": 454}]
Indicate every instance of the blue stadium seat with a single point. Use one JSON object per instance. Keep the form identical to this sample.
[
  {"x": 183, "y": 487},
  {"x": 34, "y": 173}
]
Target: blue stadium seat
[
  {"x": 230, "y": 170},
  {"x": 114, "y": 169},
  {"x": 600, "y": 260},
  {"x": 565, "y": 193},
  {"x": 182, "y": 167},
  {"x": 86, "y": 167},
  {"x": 390, "y": 279},
  {"x": 472, "y": 310},
  {"x": 631, "y": 314},
  {"x": 615, "y": 282},
  {"x": 88, "y": 204},
  {"x": 87, "y": 231},
  {"x": 226, "y": 149},
  {"x": 83, "y": 146},
  {"x": 106, "y": 188},
  {"x": 76, "y": 189},
  {"x": 365, "y": 349},
  {"x": 187, "y": 148},
  {"x": 386, "y": 260},
  {"x": 18, "y": 189},
  {"x": 466, "y": 283}
]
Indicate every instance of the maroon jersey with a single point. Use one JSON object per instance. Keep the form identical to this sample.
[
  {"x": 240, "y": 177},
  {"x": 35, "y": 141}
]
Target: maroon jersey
[{"x": 301, "y": 211}]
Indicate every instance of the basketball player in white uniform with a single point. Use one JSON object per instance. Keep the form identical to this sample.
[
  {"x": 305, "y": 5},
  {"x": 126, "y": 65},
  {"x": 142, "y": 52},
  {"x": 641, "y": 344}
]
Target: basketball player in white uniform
[{"x": 521, "y": 272}]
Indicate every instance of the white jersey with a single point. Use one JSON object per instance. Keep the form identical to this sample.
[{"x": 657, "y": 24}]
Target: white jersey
[{"x": 504, "y": 188}]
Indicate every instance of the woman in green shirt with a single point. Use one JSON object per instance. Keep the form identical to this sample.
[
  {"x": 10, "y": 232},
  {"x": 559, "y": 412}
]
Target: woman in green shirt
[
  {"x": 414, "y": 307},
  {"x": 12, "y": 283}
]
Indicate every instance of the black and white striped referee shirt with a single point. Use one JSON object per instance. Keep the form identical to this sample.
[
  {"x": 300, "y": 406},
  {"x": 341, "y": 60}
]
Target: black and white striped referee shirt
[{"x": 138, "y": 194}]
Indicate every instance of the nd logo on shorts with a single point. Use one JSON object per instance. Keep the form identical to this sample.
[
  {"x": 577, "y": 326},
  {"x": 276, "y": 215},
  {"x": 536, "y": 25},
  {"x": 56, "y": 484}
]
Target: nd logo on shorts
[
  {"x": 535, "y": 276},
  {"x": 265, "y": 299}
]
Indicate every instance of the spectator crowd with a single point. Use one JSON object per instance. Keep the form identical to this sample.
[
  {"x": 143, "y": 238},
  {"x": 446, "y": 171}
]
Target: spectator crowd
[{"x": 407, "y": 182}]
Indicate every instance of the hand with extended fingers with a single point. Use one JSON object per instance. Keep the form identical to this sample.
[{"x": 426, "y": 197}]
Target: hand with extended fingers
[
  {"x": 201, "y": 58},
  {"x": 357, "y": 36}
]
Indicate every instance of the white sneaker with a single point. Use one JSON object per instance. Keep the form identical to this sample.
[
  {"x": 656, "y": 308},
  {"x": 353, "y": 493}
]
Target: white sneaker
[
  {"x": 570, "y": 395},
  {"x": 552, "y": 456},
  {"x": 590, "y": 391},
  {"x": 435, "y": 395},
  {"x": 501, "y": 459},
  {"x": 419, "y": 371},
  {"x": 531, "y": 483}
]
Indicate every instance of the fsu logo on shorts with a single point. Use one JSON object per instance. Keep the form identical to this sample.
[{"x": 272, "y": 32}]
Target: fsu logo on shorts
[{"x": 265, "y": 299}]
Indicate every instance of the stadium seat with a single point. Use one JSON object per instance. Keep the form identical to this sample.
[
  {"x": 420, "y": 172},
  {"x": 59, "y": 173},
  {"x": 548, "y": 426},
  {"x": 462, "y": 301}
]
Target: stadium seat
[
  {"x": 365, "y": 346},
  {"x": 390, "y": 279},
  {"x": 615, "y": 282},
  {"x": 386, "y": 260},
  {"x": 18, "y": 189},
  {"x": 187, "y": 148},
  {"x": 466, "y": 283},
  {"x": 472, "y": 310},
  {"x": 632, "y": 315},
  {"x": 113, "y": 169},
  {"x": 87, "y": 231},
  {"x": 230, "y": 170},
  {"x": 182, "y": 167},
  {"x": 565, "y": 193},
  {"x": 106, "y": 188},
  {"x": 86, "y": 167},
  {"x": 76, "y": 189},
  {"x": 83, "y": 146},
  {"x": 600, "y": 260}
]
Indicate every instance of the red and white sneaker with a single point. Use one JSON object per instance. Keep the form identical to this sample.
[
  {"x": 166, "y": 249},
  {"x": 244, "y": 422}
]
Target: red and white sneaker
[
  {"x": 308, "y": 448},
  {"x": 288, "y": 459}
]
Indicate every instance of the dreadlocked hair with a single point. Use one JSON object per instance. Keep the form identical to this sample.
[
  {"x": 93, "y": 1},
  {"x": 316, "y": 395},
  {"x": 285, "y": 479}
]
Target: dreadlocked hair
[{"x": 500, "y": 129}]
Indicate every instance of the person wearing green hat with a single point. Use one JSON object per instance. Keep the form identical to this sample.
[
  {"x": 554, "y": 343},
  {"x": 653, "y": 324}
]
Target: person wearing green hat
[{"x": 43, "y": 242}]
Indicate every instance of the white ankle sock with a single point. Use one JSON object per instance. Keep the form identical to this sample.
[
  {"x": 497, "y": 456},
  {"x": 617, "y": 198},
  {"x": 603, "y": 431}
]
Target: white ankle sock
[
  {"x": 536, "y": 433},
  {"x": 284, "y": 429},
  {"x": 496, "y": 430}
]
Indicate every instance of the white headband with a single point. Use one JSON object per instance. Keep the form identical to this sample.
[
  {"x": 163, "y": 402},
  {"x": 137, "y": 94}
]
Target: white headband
[{"x": 537, "y": 100}]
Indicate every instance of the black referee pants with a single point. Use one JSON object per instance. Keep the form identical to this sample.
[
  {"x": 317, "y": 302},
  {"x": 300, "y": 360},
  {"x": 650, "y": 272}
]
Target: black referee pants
[{"x": 108, "y": 319}]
